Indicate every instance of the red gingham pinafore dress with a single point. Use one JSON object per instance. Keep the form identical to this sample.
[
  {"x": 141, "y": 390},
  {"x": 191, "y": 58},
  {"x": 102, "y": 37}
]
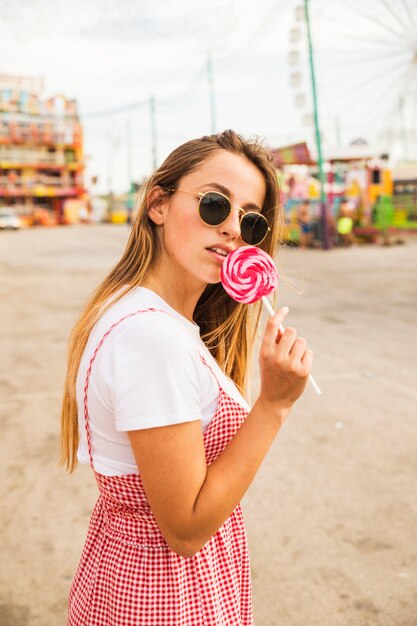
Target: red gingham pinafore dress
[{"x": 128, "y": 575}]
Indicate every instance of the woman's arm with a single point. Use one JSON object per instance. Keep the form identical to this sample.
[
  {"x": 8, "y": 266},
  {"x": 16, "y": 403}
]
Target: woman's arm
[{"x": 191, "y": 501}]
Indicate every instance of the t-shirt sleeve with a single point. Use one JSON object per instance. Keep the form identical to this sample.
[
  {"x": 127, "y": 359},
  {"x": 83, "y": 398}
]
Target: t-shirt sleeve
[{"x": 152, "y": 374}]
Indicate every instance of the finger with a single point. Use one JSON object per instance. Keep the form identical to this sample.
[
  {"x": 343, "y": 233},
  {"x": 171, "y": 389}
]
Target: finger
[
  {"x": 286, "y": 342},
  {"x": 307, "y": 360},
  {"x": 298, "y": 349},
  {"x": 272, "y": 330}
]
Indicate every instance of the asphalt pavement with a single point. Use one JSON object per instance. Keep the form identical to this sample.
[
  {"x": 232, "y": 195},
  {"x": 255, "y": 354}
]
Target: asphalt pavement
[{"x": 332, "y": 514}]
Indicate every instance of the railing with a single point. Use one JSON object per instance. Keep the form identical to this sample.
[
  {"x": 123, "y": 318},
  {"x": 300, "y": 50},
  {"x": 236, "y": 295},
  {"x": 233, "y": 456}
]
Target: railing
[
  {"x": 49, "y": 133},
  {"x": 22, "y": 156},
  {"x": 40, "y": 180}
]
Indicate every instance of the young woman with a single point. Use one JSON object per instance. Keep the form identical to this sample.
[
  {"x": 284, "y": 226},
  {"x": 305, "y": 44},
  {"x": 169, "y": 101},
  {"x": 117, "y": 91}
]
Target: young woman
[{"x": 152, "y": 398}]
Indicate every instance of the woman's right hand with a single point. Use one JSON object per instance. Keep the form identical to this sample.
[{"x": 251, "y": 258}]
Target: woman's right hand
[
  {"x": 285, "y": 364},
  {"x": 190, "y": 499}
]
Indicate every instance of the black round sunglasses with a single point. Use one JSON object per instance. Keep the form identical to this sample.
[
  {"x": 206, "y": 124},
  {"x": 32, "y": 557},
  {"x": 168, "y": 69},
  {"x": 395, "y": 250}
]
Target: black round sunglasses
[{"x": 214, "y": 209}]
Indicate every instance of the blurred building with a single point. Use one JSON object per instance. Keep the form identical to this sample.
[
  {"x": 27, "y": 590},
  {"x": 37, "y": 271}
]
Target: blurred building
[
  {"x": 405, "y": 193},
  {"x": 41, "y": 150},
  {"x": 356, "y": 174}
]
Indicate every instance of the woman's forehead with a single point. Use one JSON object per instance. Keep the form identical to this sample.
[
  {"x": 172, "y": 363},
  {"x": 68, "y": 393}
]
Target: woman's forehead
[{"x": 232, "y": 171}]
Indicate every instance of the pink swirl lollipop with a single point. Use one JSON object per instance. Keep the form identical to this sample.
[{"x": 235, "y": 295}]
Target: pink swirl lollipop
[{"x": 248, "y": 274}]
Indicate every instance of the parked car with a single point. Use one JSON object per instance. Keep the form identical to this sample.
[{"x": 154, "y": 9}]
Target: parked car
[{"x": 9, "y": 220}]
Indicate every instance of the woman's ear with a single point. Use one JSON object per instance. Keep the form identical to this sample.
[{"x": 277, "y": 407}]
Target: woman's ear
[{"x": 156, "y": 205}]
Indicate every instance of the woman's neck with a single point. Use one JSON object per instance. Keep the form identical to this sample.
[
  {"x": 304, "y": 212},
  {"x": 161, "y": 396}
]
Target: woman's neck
[{"x": 181, "y": 296}]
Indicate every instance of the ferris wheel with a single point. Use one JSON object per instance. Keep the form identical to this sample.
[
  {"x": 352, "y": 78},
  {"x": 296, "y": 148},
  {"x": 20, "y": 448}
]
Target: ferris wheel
[{"x": 366, "y": 58}]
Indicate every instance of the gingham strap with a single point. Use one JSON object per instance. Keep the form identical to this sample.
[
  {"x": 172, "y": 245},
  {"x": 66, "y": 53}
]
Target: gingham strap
[{"x": 87, "y": 378}]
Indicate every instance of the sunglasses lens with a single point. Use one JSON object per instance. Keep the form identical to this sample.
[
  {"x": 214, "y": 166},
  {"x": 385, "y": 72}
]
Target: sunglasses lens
[
  {"x": 254, "y": 228},
  {"x": 214, "y": 208}
]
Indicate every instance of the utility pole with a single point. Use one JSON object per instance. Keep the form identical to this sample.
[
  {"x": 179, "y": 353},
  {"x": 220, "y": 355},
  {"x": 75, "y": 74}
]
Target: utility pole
[
  {"x": 323, "y": 213},
  {"x": 403, "y": 128},
  {"x": 211, "y": 92},
  {"x": 152, "y": 111},
  {"x": 129, "y": 151},
  {"x": 110, "y": 146},
  {"x": 338, "y": 134},
  {"x": 130, "y": 189},
  {"x": 109, "y": 142}
]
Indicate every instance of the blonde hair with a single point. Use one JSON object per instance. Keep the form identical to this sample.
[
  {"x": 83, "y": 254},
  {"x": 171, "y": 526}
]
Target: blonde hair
[{"x": 226, "y": 327}]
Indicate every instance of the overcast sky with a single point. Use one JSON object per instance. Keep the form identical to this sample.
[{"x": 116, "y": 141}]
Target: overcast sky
[{"x": 112, "y": 54}]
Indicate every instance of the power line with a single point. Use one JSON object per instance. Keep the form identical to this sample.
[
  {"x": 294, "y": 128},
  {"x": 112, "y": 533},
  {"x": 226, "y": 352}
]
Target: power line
[
  {"x": 266, "y": 23},
  {"x": 166, "y": 102},
  {"x": 122, "y": 109}
]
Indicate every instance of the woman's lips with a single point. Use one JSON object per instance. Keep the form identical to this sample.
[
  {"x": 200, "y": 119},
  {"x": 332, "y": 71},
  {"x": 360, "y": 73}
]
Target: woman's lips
[{"x": 218, "y": 253}]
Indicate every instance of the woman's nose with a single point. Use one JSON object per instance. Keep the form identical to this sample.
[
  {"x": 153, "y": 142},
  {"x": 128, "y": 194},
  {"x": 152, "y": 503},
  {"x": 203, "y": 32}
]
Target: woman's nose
[{"x": 231, "y": 227}]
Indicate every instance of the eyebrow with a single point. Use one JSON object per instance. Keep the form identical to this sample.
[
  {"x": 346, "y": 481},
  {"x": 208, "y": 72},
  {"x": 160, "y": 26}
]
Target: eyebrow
[{"x": 225, "y": 191}]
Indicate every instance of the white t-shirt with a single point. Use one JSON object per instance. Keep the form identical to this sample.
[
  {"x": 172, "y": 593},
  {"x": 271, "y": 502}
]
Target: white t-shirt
[{"x": 147, "y": 373}]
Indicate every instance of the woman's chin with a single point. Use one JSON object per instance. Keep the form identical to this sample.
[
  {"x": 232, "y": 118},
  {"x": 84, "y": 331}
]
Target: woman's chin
[{"x": 214, "y": 278}]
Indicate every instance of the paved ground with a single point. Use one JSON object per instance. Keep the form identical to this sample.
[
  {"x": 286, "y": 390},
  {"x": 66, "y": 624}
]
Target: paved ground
[{"x": 332, "y": 515}]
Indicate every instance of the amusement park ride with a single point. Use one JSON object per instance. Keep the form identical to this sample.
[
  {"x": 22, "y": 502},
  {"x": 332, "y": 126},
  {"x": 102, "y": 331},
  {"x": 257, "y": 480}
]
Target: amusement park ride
[{"x": 386, "y": 44}]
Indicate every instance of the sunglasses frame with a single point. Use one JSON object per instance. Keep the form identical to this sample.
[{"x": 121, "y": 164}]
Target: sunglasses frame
[{"x": 200, "y": 195}]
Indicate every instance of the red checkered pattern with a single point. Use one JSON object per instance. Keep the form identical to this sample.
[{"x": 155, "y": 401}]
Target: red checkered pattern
[{"x": 128, "y": 575}]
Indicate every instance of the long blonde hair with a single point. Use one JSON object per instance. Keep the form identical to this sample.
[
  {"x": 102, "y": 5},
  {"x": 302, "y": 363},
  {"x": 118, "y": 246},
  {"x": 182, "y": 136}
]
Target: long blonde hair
[{"x": 226, "y": 327}]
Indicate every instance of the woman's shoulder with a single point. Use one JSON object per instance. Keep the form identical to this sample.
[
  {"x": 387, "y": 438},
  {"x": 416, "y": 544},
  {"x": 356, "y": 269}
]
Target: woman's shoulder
[{"x": 140, "y": 319}]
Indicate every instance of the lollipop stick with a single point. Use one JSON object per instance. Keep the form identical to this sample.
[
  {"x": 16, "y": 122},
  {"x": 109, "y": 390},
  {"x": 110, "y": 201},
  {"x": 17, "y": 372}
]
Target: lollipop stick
[{"x": 271, "y": 311}]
